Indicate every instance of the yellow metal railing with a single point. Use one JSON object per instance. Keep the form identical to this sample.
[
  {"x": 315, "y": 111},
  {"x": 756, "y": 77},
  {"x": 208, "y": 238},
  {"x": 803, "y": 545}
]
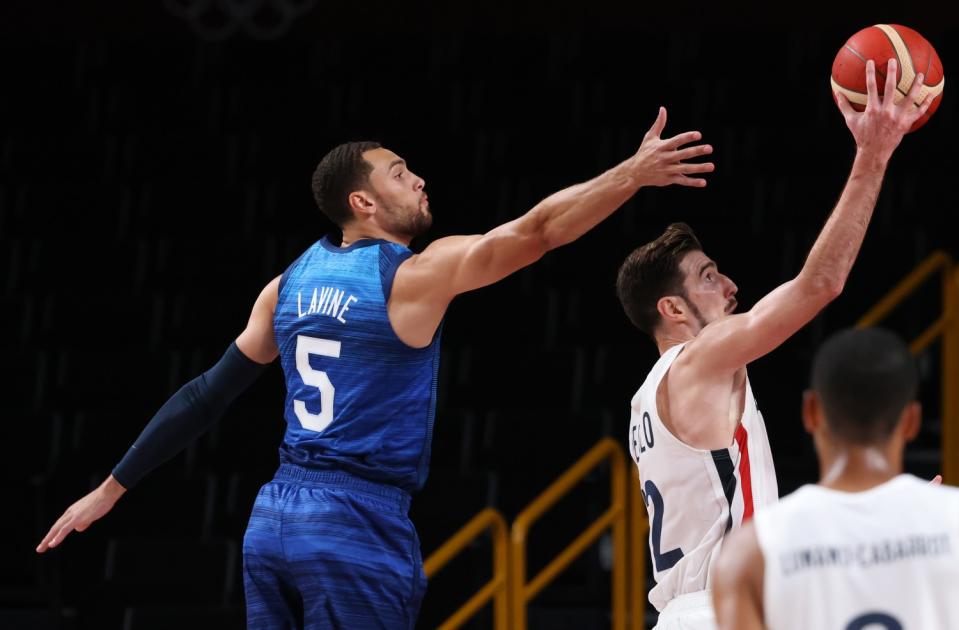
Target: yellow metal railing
[
  {"x": 496, "y": 588},
  {"x": 945, "y": 326},
  {"x": 615, "y": 517}
]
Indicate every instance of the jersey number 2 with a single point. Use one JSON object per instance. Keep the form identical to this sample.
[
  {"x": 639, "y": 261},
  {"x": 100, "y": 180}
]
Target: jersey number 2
[
  {"x": 662, "y": 561},
  {"x": 305, "y": 346}
]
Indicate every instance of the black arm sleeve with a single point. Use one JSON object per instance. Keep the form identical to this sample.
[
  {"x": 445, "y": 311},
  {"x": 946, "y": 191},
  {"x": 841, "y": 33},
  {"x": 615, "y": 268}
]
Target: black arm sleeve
[{"x": 188, "y": 414}]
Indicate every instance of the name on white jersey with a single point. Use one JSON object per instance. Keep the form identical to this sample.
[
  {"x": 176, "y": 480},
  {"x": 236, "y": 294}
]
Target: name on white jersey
[
  {"x": 865, "y": 555},
  {"x": 325, "y": 301}
]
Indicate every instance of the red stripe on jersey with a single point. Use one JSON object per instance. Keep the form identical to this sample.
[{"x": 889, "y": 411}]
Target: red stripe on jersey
[{"x": 742, "y": 439}]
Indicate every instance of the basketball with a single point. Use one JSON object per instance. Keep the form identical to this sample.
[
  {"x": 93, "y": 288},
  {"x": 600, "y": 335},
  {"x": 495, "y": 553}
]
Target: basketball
[{"x": 880, "y": 43}]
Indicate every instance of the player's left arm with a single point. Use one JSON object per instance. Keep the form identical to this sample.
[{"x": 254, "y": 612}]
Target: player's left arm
[
  {"x": 183, "y": 418},
  {"x": 737, "y": 582}
]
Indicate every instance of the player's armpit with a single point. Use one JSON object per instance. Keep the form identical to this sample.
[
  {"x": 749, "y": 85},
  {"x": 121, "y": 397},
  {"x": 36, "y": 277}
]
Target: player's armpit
[
  {"x": 732, "y": 342},
  {"x": 737, "y": 582},
  {"x": 425, "y": 284},
  {"x": 257, "y": 341}
]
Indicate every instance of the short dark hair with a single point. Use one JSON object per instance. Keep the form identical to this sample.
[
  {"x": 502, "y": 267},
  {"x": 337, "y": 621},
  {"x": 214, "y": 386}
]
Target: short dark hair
[
  {"x": 864, "y": 379},
  {"x": 651, "y": 272},
  {"x": 340, "y": 172}
]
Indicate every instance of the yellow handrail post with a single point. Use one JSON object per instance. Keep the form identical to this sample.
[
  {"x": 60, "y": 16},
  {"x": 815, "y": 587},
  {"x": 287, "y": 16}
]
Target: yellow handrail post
[
  {"x": 947, "y": 326},
  {"x": 497, "y": 587},
  {"x": 638, "y": 527},
  {"x": 950, "y": 380},
  {"x": 614, "y": 518}
]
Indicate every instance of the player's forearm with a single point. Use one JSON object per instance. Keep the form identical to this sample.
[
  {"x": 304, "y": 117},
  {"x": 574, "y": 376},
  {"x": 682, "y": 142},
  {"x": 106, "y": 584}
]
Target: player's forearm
[
  {"x": 187, "y": 415},
  {"x": 832, "y": 255},
  {"x": 567, "y": 214}
]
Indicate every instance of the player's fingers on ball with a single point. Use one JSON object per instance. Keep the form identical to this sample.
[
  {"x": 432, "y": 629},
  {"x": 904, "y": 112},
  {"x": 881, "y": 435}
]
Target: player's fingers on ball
[
  {"x": 691, "y": 152},
  {"x": 872, "y": 92},
  {"x": 845, "y": 107},
  {"x": 926, "y": 104},
  {"x": 915, "y": 89},
  {"x": 680, "y": 139},
  {"x": 892, "y": 79}
]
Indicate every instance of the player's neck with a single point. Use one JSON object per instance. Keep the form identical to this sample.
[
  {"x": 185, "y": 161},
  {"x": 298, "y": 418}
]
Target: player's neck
[
  {"x": 669, "y": 338},
  {"x": 858, "y": 468},
  {"x": 354, "y": 233}
]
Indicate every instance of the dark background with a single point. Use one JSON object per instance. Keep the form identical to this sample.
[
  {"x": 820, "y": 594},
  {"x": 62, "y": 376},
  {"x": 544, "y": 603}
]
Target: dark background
[{"x": 155, "y": 161}]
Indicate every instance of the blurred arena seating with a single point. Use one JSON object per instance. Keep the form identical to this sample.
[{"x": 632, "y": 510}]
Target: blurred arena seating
[{"x": 148, "y": 192}]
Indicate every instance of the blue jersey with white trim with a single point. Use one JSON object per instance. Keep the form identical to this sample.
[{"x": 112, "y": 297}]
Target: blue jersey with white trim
[{"x": 358, "y": 398}]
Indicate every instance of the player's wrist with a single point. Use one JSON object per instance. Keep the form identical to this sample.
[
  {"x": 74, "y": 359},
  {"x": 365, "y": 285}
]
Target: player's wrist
[
  {"x": 870, "y": 158},
  {"x": 112, "y": 489}
]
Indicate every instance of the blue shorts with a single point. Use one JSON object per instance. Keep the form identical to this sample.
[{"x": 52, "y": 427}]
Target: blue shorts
[{"x": 329, "y": 550}]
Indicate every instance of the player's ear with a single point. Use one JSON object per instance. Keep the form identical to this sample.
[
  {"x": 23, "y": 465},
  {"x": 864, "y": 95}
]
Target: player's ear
[
  {"x": 911, "y": 420},
  {"x": 811, "y": 412},
  {"x": 671, "y": 308},
  {"x": 362, "y": 203}
]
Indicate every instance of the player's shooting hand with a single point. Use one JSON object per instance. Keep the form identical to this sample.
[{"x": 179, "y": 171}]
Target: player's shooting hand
[
  {"x": 660, "y": 162},
  {"x": 81, "y": 514},
  {"x": 879, "y": 129}
]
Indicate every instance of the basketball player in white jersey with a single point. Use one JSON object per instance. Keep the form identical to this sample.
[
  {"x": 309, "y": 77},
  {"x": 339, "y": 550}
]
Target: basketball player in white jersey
[
  {"x": 868, "y": 547},
  {"x": 696, "y": 434}
]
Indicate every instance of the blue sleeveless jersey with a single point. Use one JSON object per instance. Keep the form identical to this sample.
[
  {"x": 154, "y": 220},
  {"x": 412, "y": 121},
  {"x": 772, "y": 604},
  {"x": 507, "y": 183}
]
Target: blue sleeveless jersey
[{"x": 358, "y": 399}]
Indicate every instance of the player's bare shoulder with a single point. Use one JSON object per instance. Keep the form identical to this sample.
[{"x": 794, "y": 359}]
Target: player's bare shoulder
[{"x": 703, "y": 406}]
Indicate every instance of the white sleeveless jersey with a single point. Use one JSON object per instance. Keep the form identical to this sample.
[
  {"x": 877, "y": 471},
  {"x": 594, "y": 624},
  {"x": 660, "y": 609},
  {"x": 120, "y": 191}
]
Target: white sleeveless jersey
[
  {"x": 883, "y": 559},
  {"x": 693, "y": 496}
]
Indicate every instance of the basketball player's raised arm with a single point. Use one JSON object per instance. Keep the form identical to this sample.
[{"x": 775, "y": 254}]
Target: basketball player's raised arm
[
  {"x": 734, "y": 341},
  {"x": 737, "y": 582},
  {"x": 425, "y": 284},
  {"x": 186, "y": 416}
]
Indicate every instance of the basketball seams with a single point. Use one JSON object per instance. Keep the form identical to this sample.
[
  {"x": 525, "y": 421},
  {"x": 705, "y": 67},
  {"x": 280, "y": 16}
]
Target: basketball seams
[
  {"x": 848, "y": 66},
  {"x": 854, "y": 97},
  {"x": 854, "y": 51},
  {"x": 908, "y": 71}
]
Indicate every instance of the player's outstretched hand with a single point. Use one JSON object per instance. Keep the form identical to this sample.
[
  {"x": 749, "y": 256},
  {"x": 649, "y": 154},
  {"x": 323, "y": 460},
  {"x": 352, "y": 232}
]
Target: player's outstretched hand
[
  {"x": 879, "y": 129},
  {"x": 660, "y": 161},
  {"x": 81, "y": 514}
]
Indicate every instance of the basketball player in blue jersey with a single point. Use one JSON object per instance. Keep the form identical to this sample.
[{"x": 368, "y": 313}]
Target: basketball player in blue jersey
[
  {"x": 696, "y": 433},
  {"x": 356, "y": 325}
]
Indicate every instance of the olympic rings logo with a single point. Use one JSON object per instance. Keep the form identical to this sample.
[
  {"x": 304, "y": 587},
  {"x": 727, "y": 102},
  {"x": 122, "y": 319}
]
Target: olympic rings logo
[{"x": 217, "y": 20}]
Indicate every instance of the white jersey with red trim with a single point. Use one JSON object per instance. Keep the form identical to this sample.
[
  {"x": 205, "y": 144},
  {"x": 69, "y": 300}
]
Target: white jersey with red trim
[
  {"x": 883, "y": 559},
  {"x": 693, "y": 496}
]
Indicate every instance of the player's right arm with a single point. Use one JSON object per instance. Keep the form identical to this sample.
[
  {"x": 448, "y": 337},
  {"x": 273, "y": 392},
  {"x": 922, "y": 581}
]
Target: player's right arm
[
  {"x": 186, "y": 416},
  {"x": 425, "y": 284},
  {"x": 730, "y": 343},
  {"x": 737, "y": 582}
]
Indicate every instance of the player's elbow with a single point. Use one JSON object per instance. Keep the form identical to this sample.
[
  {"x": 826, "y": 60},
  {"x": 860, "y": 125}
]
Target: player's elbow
[{"x": 822, "y": 288}]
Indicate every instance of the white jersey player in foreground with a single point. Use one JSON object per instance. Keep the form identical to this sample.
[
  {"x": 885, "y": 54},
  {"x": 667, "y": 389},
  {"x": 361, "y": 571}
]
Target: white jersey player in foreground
[
  {"x": 696, "y": 434},
  {"x": 868, "y": 547}
]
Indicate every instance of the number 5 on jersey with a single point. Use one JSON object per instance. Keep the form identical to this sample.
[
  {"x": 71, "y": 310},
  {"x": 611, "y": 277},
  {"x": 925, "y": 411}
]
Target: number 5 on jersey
[{"x": 305, "y": 346}]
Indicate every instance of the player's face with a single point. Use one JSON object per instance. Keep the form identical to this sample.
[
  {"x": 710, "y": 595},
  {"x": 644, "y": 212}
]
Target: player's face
[
  {"x": 402, "y": 205},
  {"x": 712, "y": 294}
]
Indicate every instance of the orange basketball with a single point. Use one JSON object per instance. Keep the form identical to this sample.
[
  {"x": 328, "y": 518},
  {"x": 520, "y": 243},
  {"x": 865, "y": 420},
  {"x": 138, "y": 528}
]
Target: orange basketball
[{"x": 880, "y": 43}]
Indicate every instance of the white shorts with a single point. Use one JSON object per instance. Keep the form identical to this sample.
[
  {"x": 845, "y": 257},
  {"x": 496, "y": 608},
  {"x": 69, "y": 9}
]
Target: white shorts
[{"x": 691, "y": 611}]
